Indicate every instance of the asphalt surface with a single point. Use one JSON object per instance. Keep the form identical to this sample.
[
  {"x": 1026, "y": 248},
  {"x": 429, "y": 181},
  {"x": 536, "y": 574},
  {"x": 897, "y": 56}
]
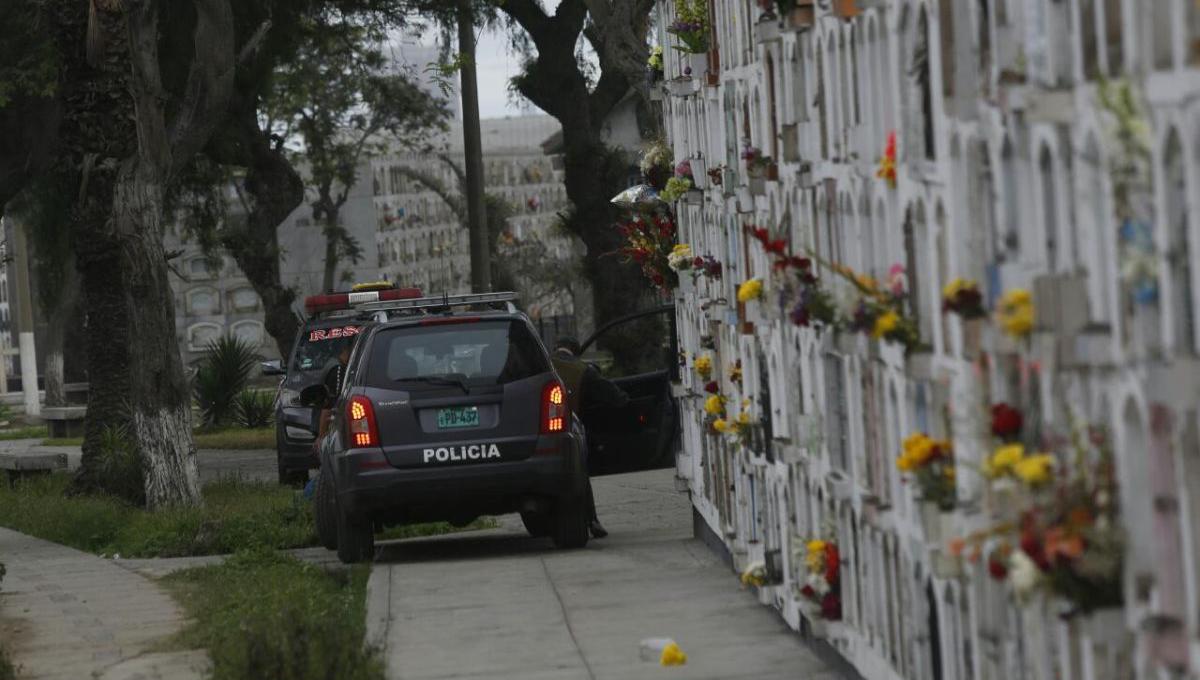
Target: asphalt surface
[{"x": 499, "y": 604}]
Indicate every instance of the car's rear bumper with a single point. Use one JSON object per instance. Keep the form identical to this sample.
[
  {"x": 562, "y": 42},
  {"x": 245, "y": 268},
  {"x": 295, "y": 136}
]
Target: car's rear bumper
[{"x": 365, "y": 486}]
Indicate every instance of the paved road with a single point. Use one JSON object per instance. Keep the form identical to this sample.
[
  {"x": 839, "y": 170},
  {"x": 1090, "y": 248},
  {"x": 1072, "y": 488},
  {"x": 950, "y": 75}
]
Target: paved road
[{"x": 498, "y": 604}]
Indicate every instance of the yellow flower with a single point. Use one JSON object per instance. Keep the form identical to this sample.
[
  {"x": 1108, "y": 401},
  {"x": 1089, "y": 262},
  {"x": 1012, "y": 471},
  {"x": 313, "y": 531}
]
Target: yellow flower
[
  {"x": 743, "y": 418},
  {"x": 1014, "y": 312},
  {"x": 886, "y": 323},
  {"x": 1034, "y": 470},
  {"x": 672, "y": 655},
  {"x": 1003, "y": 460},
  {"x": 750, "y": 290},
  {"x": 866, "y": 282},
  {"x": 714, "y": 405},
  {"x": 721, "y": 425},
  {"x": 681, "y": 249},
  {"x": 704, "y": 366},
  {"x": 950, "y": 473}
]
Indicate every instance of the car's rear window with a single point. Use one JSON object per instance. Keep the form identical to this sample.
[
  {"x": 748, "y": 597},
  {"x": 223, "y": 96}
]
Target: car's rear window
[
  {"x": 320, "y": 347},
  {"x": 476, "y": 353}
]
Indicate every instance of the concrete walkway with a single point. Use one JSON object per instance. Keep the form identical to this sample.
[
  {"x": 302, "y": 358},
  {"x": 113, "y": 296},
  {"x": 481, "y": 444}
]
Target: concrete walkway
[
  {"x": 71, "y": 615},
  {"x": 499, "y": 604}
]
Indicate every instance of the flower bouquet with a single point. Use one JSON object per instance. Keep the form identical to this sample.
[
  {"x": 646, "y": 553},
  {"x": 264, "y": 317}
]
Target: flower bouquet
[
  {"x": 822, "y": 584},
  {"x": 656, "y": 163},
  {"x": 1015, "y": 314},
  {"x": 648, "y": 242},
  {"x": 879, "y": 310},
  {"x": 931, "y": 464},
  {"x": 962, "y": 297},
  {"x": 758, "y": 166}
]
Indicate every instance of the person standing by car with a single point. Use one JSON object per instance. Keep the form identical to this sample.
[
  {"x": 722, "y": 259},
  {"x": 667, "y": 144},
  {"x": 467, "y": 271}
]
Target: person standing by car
[
  {"x": 333, "y": 385},
  {"x": 586, "y": 389}
]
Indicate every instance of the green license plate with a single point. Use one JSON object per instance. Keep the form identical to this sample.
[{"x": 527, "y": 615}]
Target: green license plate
[{"x": 460, "y": 416}]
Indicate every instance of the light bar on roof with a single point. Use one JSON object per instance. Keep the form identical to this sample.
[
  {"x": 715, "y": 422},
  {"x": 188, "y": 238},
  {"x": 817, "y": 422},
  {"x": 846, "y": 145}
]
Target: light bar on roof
[
  {"x": 440, "y": 301},
  {"x": 332, "y": 302}
]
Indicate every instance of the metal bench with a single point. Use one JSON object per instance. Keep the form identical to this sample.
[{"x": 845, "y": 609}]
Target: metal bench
[{"x": 64, "y": 421}]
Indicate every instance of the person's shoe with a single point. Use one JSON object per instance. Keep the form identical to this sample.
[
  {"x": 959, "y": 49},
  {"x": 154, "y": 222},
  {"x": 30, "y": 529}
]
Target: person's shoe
[{"x": 597, "y": 530}]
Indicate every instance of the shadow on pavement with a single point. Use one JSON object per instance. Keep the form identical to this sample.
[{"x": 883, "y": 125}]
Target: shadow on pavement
[{"x": 494, "y": 544}]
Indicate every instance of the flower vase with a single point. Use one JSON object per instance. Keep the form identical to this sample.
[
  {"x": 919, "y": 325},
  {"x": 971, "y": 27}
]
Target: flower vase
[
  {"x": 687, "y": 285},
  {"x": 818, "y": 627},
  {"x": 757, "y": 185},
  {"x": 1003, "y": 496},
  {"x": 699, "y": 63},
  {"x": 1105, "y": 627},
  {"x": 699, "y": 173},
  {"x": 754, "y": 312},
  {"x": 936, "y": 524},
  {"x": 972, "y": 338},
  {"x": 945, "y": 565}
]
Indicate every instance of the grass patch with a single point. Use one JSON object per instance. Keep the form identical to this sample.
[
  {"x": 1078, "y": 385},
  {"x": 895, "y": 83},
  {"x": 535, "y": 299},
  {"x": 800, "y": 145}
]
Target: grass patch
[
  {"x": 236, "y": 515},
  {"x": 39, "y": 432},
  {"x": 236, "y": 438},
  {"x": 232, "y": 438},
  {"x": 266, "y": 615}
]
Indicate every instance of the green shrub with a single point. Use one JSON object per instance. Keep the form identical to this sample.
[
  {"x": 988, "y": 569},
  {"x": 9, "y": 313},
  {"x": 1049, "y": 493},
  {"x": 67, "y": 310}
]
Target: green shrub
[
  {"x": 7, "y": 670},
  {"x": 255, "y": 409},
  {"x": 266, "y": 615},
  {"x": 223, "y": 374}
]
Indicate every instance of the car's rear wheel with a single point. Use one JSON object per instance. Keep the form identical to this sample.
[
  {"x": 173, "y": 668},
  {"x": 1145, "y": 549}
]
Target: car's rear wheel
[
  {"x": 355, "y": 539},
  {"x": 536, "y": 523},
  {"x": 570, "y": 523},
  {"x": 325, "y": 509}
]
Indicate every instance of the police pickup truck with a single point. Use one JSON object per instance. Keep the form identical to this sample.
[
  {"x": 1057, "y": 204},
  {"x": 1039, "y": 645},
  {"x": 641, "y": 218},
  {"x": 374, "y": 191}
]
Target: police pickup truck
[{"x": 451, "y": 409}]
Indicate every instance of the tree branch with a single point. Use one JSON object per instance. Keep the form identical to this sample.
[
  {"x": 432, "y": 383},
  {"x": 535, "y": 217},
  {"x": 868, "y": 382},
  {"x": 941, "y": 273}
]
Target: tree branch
[
  {"x": 209, "y": 84},
  {"x": 430, "y": 182}
]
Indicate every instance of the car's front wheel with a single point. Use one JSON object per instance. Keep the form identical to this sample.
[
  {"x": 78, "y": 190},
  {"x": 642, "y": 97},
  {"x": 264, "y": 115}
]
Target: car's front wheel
[
  {"x": 570, "y": 519},
  {"x": 355, "y": 538},
  {"x": 325, "y": 509}
]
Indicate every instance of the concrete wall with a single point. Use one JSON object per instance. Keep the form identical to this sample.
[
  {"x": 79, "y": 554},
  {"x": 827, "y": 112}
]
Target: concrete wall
[{"x": 1004, "y": 177}]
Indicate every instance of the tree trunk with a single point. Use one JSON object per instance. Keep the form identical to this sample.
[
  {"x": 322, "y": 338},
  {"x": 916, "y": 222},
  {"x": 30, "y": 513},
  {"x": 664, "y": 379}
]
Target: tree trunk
[
  {"x": 275, "y": 190},
  {"x": 332, "y": 239},
  {"x": 138, "y": 388}
]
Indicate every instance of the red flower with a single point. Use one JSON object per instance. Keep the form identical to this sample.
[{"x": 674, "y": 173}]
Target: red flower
[
  {"x": 698, "y": 262},
  {"x": 657, "y": 278},
  {"x": 1006, "y": 421},
  {"x": 808, "y": 592},
  {"x": 997, "y": 568},
  {"x": 831, "y": 607},
  {"x": 777, "y": 247},
  {"x": 832, "y": 561},
  {"x": 759, "y": 233},
  {"x": 1031, "y": 544},
  {"x": 712, "y": 387}
]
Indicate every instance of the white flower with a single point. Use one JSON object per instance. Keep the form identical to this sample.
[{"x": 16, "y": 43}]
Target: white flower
[
  {"x": 1023, "y": 574},
  {"x": 818, "y": 583}
]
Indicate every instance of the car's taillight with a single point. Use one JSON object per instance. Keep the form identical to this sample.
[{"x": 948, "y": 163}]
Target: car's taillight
[
  {"x": 360, "y": 417},
  {"x": 554, "y": 408}
]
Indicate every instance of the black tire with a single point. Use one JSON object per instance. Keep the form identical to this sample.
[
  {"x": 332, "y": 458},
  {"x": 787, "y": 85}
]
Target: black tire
[
  {"x": 325, "y": 509},
  {"x": 570, "y": 520},
  {"x": 536, "y": 523},
  {"x": 355, "y": 539}
]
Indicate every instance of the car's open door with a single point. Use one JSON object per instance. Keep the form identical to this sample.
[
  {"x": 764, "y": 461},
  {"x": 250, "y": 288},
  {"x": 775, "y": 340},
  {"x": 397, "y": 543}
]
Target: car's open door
[{"x": 640, "y": 435}]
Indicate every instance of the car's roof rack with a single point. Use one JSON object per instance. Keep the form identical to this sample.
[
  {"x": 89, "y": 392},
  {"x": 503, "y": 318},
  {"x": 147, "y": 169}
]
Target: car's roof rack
[{"x": 442, "y": 302}]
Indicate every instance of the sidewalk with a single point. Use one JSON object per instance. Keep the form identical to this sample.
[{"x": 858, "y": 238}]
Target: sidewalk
[
  {"x": 212, "y": 464},
  {"x": 71, "y": 615}
]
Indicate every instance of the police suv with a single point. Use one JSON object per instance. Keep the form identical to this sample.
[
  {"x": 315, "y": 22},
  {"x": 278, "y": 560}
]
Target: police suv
[
  {"x": 333, "y": 323},
  {"x": 450, "y": 409}
]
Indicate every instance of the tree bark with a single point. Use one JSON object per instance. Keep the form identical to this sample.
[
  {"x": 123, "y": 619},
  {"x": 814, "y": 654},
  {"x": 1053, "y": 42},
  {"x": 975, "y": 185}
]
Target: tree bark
[
  {"x": 332, "y": 238},
  {"x": 56, "y": 330},
  {"x": 275, "y": 190},
  {"x": 481, "y": 278}
]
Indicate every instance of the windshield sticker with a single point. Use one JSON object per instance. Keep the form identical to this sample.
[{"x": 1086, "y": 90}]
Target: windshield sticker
[{"x": 332, "y": 333}]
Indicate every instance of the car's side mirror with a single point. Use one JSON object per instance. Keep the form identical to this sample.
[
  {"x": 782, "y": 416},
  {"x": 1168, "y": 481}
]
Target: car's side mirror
[
  {"x": 273, "y": 367},
  {"x": 314, "y": 395}
]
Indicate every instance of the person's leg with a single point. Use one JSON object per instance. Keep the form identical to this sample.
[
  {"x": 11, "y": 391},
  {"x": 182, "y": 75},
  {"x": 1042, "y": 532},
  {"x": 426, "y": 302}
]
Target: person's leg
[{"x": 597, "y": 530}]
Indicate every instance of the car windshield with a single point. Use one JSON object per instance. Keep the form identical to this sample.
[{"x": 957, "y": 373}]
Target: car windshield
[
  {"x": 477, "y": 353},
  {"x": 320, "y": 347}
]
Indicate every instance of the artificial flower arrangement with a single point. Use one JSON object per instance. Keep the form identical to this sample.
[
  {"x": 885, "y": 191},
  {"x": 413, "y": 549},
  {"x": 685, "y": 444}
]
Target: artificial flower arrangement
[
  {"x": 755, "y": 574},
  {"x": 879, "y": 310},
  {"x": 822, "y": 585},
  {"x": 1067, "y": 539},
  {"x": 691, "y": 26},
  {"x": 735, "y": 373},
  {"x": 682, "y": 260},
  {"x": 714, "y": 412},
  {"x": 962, "y": 297},
  {"x": 757, "y": 165},
  {"x": 750, "y": 290},
  {"x": 1015, "y": 314},
  {"x": 931, "y": 462},
  {"x": 654, "y": 65},
  {"x": 649, "y": 240},
  {"x": 704, "y": 367},
  {"x": 656, "y": 163},
  {"x": 681, "y": 183},
  {"x": 736, "y": 428},
  {"x": 887, "y": 162},
  {"x": 813, "y": 304}
]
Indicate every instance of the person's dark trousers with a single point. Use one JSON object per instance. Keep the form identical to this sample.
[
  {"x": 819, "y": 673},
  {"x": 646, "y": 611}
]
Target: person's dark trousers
[{"x": 593, "y": 518}]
